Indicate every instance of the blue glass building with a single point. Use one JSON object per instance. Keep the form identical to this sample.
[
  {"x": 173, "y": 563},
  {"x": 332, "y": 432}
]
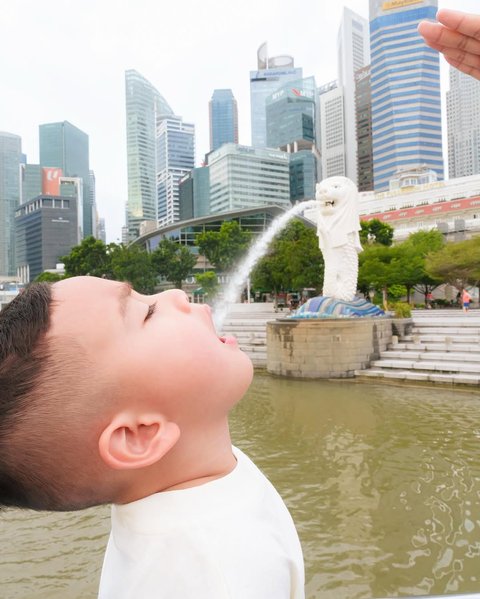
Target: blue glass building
[
  {"x": 405, "y": 88},
  {"x": 223, "y": 118},
  {"x": 273, "y": 72}
]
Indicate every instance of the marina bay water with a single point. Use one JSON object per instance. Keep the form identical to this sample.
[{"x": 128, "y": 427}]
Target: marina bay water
[{"x": 383, "y": 483}]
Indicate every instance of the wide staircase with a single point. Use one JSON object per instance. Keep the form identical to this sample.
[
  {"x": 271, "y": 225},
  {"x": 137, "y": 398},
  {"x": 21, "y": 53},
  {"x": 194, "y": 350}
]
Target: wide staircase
[
  {"x": 442, "y": 347},
  {"x": 247, "y": 322}
]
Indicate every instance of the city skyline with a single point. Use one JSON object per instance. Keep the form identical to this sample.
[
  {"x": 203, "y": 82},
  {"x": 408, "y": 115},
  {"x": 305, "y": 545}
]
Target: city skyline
[{"x": 94, "y": 59}]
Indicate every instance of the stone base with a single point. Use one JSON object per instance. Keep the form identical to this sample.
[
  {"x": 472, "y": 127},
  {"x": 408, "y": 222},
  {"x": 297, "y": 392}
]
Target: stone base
[{"x": 325, "y": 348}]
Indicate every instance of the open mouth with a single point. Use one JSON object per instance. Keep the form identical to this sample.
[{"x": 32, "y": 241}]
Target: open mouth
[
  {"x": 330, "y": 203},
  {"x": 222, "y": 339}
]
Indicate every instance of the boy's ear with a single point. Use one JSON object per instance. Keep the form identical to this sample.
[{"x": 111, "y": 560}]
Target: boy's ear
[{"x": 137, "y": 440}]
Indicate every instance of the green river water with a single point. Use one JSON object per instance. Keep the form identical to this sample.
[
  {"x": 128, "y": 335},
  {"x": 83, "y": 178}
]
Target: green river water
[{"x": 383, "y": 483}]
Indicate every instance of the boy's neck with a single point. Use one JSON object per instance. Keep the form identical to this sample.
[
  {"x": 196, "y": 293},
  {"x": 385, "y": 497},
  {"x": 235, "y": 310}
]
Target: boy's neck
[{"x": 197, "y": 458}]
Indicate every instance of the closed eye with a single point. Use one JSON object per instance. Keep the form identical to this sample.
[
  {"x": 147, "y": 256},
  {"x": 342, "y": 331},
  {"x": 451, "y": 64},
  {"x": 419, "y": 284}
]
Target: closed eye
[{"x": 150, "y": 311}]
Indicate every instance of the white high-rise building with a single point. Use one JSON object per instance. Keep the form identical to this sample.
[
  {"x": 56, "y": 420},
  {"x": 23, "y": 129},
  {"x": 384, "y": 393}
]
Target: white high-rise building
[
  {"x": 331, "y": 130},
  {"x": 353, "y": 48},
  {"x": 144, "y": 104},
  {"x": 463, "y": 124},
  {"x": 175, "y": 158}
]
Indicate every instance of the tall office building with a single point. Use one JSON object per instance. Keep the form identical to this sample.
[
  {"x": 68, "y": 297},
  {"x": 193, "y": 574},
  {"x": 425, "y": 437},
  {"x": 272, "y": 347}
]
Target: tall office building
[
  {"x": 144, "y": 104},
  {"x": 46, "y": 230},
  {"x": 363, "y": 109},
  {"x": 405, "y": 77},
  {"x": 64, "y": 146},
  {"x": 223, "y": 118},
  {"x": 290, "y": 114},
  {"x": 175, "y": 158},
  {"x": 245, "y": 177},
  {"x": 10, "y": 158},
  {"x": 194, "y": 193},
  {"x": 331, "y": 130},
  {"x": 463, "y": 125},
  {"x": 92, "y": 195},
  {"x": 353, "y": 48},
  {"x": 30, "y": 181},
  {"x": 271, "y": 74}
]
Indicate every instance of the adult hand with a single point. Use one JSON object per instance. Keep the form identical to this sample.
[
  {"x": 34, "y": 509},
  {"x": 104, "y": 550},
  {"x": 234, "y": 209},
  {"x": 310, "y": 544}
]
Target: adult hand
[{"x": 457, "y": 36}]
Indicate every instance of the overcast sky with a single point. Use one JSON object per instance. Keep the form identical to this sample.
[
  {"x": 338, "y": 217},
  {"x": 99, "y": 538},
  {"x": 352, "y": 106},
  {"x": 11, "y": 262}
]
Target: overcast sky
[{"x": 65, "y": 60}]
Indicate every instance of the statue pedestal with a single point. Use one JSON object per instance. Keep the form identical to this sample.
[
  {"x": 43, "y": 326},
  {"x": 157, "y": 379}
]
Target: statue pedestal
[{"x": 325, "y": 348}]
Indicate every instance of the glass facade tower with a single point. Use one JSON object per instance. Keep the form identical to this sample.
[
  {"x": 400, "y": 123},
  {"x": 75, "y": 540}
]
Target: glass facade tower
[
  {"x": 290, "y": 124},
  {"x": 405, "y": 87},
  {"x": 10, "y": 158},
  {"x": 271, "y": 75},
  {"x": 223, "y": 118},
  {"x": 62, "y": 145},
  {"x": 144, "y": 104},
  {"x": 175, "y": 158}
]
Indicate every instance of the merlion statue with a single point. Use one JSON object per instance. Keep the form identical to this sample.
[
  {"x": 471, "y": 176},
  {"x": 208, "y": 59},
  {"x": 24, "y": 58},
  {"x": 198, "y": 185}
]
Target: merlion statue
[{"x": 338, "y": 225}]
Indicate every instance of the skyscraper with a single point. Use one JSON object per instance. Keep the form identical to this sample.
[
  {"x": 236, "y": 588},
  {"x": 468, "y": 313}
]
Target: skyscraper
[
  {"x": 10, "y": 157},
  {"x": 363, "y": 108},
  {"x": 143, "y": 105},
  {"x": 463, "y": 125},
  {"x": 223, "y": 118},
  {"x": 62, "y": 145},
  {"x": 271, "y": 74},
  {"x": 331, "y": 130},
  {"x": 175, "y": 158},
  {"x": 405, "y": 77},
  {"x": 46, "y": 230},
  {"x": 290, "y": 113},
  {"x": 353, "y": 54},
  {"x": 245, "y": 177}
]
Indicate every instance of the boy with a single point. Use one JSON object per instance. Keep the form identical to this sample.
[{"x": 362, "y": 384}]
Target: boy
[{"x": 109, "y": 396}]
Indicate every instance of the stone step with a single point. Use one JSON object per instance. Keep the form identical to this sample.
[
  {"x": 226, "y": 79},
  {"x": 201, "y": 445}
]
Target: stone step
[
  {"x": 469, "y": 367},
  {"x": 430, "y": 356},
  {"x": 439, "y": 338},
  {"x": 427, "y": 377},
  {"x": 445, "y": 330},
  {"x": 440, "y": 347},
  {"x": 253, "y": 349}
]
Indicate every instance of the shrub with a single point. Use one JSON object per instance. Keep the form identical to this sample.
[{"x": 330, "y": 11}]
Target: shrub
[{"x": 401, "y": 309}]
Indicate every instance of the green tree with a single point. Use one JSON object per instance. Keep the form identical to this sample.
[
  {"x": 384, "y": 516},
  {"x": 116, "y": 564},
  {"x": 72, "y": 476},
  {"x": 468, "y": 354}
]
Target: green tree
[
  {"x": 411, "y": 262},
  {"x": 173, "y": 261},
  {"x": 378, "y": 231},
  {"x": 133, "y": 264},
  {"x": 209, "y": 282},
  {"x": 378, "y": 270},
  {"x": 293, "y": 262},
  {"x": 90, "y": 257},
  {"x": 224, "y": 248},
  {"x": 456, "y": 263},
  {"x": 49, "y": 277}
]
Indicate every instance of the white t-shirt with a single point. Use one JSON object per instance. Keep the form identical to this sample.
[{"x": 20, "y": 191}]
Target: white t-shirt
[{"x": 231, "y": 538}]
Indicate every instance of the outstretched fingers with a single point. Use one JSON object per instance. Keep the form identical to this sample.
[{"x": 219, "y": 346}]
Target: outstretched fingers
[
  {"x": 440, "y": 38},
  {"x": 466, "y": 23}
]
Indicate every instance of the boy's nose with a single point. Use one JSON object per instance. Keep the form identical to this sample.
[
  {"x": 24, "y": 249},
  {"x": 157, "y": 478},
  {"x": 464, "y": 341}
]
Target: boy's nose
[{"x": 176, "y": 298}]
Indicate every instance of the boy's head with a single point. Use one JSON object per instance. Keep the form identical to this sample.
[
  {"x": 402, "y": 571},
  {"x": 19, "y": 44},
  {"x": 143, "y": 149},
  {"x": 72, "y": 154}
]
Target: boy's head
[{"x": 99, "y": 383}]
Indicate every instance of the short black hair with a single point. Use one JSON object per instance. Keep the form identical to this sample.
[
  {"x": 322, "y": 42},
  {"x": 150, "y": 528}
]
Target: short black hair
[{"x": 23, "y": 355}]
